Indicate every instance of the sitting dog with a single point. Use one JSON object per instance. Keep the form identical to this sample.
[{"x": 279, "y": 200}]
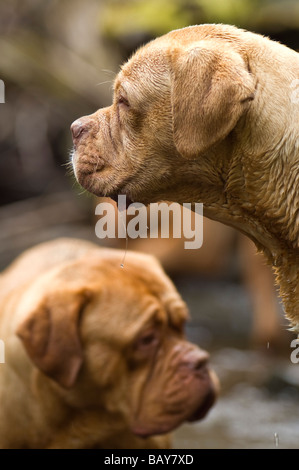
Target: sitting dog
[
  {"x": 95, "y": 354},
  {"x": 206, "y": 114}
]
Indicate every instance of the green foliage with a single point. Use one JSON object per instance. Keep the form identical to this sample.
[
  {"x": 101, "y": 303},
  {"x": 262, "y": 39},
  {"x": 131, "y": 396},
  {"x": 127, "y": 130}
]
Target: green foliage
[{"x": 155, "y": 17}]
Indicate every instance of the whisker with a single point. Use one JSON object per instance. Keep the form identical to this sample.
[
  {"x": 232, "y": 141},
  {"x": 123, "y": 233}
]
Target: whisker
[
  {"x": 67, "y": 164},
  {"x": 109, "y": 71},
  {"x": 102, "y": 83}
]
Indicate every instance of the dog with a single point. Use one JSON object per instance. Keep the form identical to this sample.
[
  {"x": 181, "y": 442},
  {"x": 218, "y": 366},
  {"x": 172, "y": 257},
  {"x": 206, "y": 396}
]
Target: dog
[
  {"x": 206, "y": 114},
  {"x": 225, "y": 252},
  {"x": 95, "y": 354}
]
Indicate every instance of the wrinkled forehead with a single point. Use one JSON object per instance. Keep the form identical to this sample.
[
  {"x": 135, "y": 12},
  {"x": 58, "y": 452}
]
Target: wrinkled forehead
[
  {"x": 133, "y": 301},
  {"x": 146, "y": 292},
  {"x": 146, "y": 73}
]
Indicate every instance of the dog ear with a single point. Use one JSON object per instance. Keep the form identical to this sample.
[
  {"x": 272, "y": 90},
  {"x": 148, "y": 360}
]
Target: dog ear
[
  {"x": 210, "y": 90},
  {"x": 50, "y": 335}
]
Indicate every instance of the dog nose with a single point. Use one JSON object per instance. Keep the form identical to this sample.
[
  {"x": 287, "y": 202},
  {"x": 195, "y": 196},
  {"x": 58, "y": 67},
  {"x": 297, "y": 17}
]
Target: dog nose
[
  {"x": 196, "y": 359},
  {"x": 78, "y": 128},
  {"x": 201, "y": 359}
]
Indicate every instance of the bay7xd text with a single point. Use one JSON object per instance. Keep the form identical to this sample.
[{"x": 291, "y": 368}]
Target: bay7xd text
[{"x": 172, "y": 459}]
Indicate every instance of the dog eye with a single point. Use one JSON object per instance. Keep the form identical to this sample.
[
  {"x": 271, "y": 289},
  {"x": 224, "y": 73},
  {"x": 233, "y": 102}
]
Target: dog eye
[
  {"x": 147, "y": 341},
  {"x": 123, "y": 101}
]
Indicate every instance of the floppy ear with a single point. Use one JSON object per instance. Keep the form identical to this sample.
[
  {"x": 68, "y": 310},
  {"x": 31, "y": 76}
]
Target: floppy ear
[
  {"x": 50, "y": 335},
  {"x": 210, "y": 90}
]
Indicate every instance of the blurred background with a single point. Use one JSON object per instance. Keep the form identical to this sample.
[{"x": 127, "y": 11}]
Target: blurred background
[{"x": 58, "y": 61}]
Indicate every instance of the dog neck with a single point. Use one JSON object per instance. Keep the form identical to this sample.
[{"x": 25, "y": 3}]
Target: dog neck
[
  {"x": 256, "y": 194},
  {"x": 287, "y": 276},
  {"x": 266, "y": 208},
  {"x": 283, "y": 258}
]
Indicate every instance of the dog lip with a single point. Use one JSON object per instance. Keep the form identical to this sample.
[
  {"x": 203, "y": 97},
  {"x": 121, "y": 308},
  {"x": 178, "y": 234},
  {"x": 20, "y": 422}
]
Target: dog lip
[
  {"x": 200, "y": 413},
  {"x": 143, "y": 432},
  {"x": 203, "y": 409},
  {"x": 140, "y": 432}
]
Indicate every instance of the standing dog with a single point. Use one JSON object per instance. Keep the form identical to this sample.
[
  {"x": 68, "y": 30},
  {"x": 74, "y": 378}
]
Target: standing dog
[
  {"x": 95, "y": 355},
  {"x": 206, "y": 114}
]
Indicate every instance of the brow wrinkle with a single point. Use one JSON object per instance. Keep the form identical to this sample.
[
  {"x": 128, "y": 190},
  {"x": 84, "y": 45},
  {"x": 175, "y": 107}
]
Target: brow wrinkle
[{"x": 111, "y": 137}]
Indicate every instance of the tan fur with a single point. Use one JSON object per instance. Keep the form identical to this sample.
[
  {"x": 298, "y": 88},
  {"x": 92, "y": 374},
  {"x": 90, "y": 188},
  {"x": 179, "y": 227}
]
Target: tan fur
[
  {"x": 210, "y": 119},
  {"x": 91, "y": 363}
]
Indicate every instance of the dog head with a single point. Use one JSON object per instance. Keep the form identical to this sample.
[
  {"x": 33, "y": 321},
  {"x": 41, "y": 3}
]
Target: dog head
[
  {"x": 117, "y": 346},
  {"x": 174, "y": 101}
]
